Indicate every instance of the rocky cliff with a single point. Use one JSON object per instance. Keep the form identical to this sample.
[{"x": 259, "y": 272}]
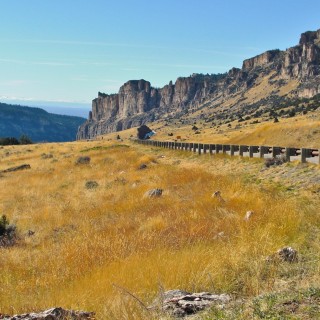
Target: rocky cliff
[{"x": 137, "y": 102}]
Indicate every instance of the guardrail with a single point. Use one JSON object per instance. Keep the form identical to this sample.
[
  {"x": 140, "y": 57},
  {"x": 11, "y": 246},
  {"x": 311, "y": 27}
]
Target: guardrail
[{"x": 289, "y": 154}]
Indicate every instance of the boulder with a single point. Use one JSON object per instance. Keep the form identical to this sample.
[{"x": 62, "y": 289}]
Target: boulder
[
  {"x": 143, "y": 132},
  {"x": 53, "y": 314},
  {"x": 180, "y": 303},
  {"x": 288, "y": 254},
  {"x": 285, "y": 254}
]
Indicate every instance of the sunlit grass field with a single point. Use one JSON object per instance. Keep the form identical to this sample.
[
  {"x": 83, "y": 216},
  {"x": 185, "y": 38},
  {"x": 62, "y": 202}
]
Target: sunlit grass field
[
  {"x": 90, "y": 243},
  {"x": 299, "y": 131}
]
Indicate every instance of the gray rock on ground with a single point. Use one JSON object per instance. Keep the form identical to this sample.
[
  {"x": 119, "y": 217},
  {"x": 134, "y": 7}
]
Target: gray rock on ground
[
  {"x": 248, "y": 215},
  {"x": 181, "y": 303},
  {"x": 285, "y": 254},
  {"x": 53, "y": 314},
  {"x": 288, "y": 254},
  {"x": 83, "y": 160},
  {"x": 153, "y": 193}
]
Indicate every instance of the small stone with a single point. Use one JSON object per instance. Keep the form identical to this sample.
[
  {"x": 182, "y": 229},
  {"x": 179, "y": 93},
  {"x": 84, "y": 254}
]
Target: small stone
[
  {"x": 30, "y": 233},
  {"x": 219, "y": 235},
  {"x": 153, "y": 193},
  {"x": 248, "y": 215},
  {"x": 83, "y": 160},
  {"x": 142, "y": 166}
]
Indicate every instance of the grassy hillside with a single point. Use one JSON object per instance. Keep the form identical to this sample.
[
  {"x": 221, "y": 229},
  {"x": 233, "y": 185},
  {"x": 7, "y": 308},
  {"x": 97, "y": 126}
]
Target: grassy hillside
[
  {"x": 39, "y": 125},
  {"x": 298, "y": 131},
  {"x": 89, "y": 241}
]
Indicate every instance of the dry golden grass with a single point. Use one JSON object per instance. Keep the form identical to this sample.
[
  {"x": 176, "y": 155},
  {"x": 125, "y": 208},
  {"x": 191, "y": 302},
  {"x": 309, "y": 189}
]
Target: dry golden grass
[{"x": 89, "y": 242}]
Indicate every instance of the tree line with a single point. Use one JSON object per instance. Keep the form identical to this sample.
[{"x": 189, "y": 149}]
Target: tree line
[{"x": 9, "y": 141}]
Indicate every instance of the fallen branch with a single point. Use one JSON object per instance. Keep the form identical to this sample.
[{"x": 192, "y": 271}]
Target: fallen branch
[{"x": 132, "y": 295}]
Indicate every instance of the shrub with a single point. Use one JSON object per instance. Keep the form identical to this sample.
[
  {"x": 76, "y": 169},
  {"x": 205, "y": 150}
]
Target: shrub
[
  {"x": 7, "y": 232},
  {"x": 277, "y": 161},
  {"x": 291, "y": 113},
  {"x": 91, "y": 184},
  {"x": 24, "y": 139},
  {"x": 3, "y": 225},
  {"x": 9, "y": 141},
  {"x": 83, "y": 160}
]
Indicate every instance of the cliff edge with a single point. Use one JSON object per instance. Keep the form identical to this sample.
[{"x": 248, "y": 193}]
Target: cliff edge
[{"x": 294, "y": 72}]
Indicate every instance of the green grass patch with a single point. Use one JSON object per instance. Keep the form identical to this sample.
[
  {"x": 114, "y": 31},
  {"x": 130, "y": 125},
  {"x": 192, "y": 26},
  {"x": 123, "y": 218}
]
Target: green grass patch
[{"x": 98, "y": 148}]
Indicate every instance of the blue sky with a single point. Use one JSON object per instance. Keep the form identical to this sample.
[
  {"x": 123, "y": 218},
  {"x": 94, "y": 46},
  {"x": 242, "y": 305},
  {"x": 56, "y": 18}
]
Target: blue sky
[{"x": 68, "y": 50}]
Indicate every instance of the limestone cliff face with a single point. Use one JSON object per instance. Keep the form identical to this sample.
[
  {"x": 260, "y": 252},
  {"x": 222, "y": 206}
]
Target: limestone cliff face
[
  {"x": 261, "y": 60},
  {"x": 137, "y": 102},
  {"x": 301, "y": 61},
  {"x": 105, "y": 106}
]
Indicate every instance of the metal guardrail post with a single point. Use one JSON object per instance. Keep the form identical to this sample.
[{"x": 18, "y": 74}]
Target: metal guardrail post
[
  {"x": 194, "y": 147},
  {"x": 231, "y": 150},
  {"x": 287, "y": 154},
  {"x": 241, "y": 150},
  {"x": 251, "y": 151},
  {"x": 261, "y": 151},
  {"x": 303, "y": 155},
  {"x": 276, "y": 151}
]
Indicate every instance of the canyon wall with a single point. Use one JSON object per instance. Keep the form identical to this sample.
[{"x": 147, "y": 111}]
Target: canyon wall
[{"x": 137, "y": 102}]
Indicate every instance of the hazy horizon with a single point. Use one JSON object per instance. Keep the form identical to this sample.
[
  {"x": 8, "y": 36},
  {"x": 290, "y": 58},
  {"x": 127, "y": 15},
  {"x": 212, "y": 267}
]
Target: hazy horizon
[{"x": 63, "y": 108}]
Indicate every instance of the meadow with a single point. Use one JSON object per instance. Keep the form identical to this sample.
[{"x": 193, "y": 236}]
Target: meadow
[{"x": 95, "y": 243}]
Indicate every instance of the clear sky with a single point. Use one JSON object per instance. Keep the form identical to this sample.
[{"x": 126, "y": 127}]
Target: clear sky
[{"x": 68, "y": 50}]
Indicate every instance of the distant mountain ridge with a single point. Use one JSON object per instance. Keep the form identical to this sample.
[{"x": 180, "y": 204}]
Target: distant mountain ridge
[
  {"x": 262, "y": 82},
  {"x": 37, "y": 124}
]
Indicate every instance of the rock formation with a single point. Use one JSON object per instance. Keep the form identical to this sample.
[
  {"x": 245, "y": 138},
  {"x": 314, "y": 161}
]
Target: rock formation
[
  {"x": 52, "y": 314},
  {"x": 181, "y": 304},
  {"x": 137, "y": 102}
]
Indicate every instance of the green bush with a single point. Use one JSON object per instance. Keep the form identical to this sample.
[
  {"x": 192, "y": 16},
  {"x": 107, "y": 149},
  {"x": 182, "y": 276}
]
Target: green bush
[
  {"x": 8, "y": 234},
  {"x": 8, "y": 141},
  {"x": 24, "y": 139},
  {"x": 4, "y": 223}
]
